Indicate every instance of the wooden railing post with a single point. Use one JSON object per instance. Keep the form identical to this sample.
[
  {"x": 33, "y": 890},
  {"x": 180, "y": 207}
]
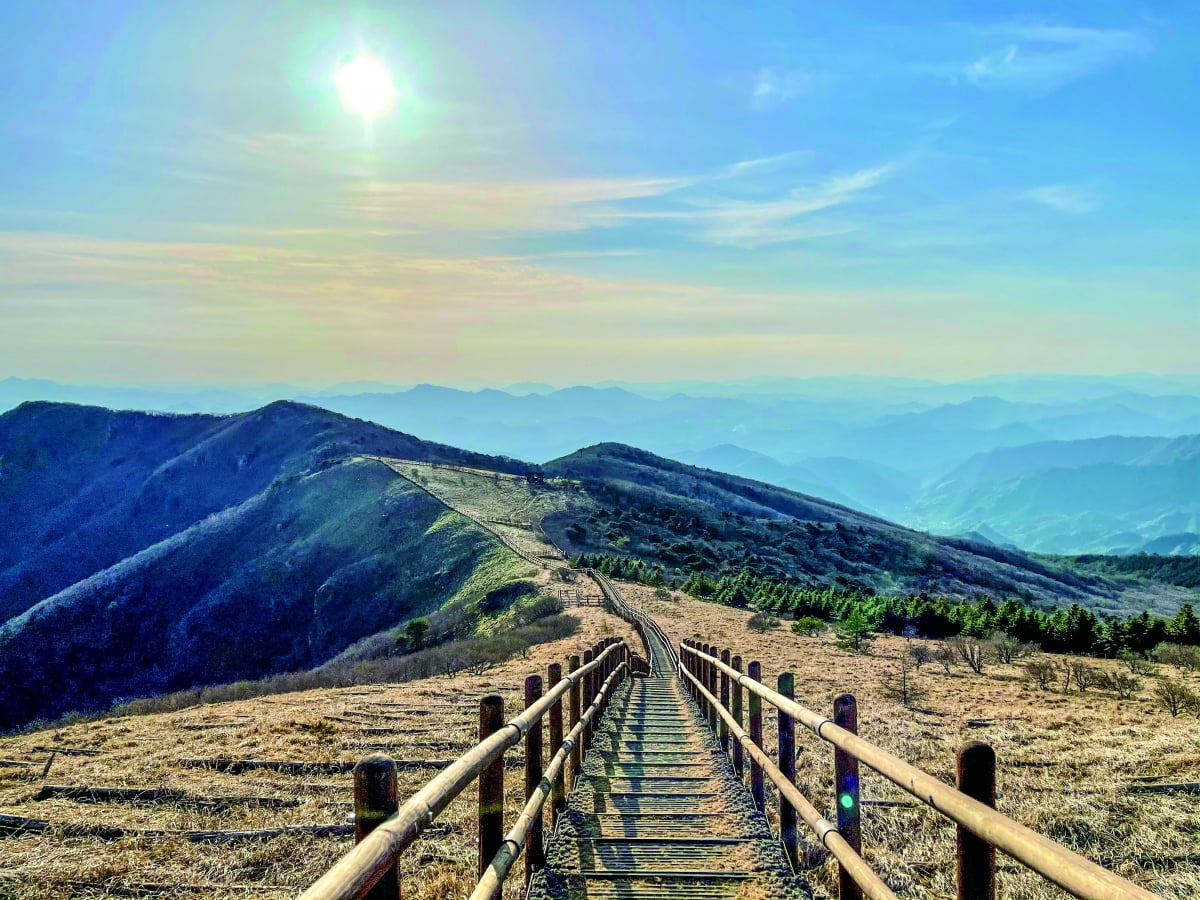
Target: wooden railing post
[
  {"x": 574, "y": 701},
  {"x": 375, "y": 799},
  {"x": 589, "y": 695},
  {"x": 689, "y": 664},
  {"x": 757, "y": 788},
  {"x": 723, "y": 731},
  {"x": 738, "y": 751},
  {"x": 558, "y": 793},
  {"x": 976, "y": 857},
  {"x": 714, "y": 688},
  {"x": 846, "y": 792},
  {"x": 491, "y": 784},
  {"x": 788, "y": 833},
  {"x": 709, "y": 677},
  {"x": 535, "y": 852}
]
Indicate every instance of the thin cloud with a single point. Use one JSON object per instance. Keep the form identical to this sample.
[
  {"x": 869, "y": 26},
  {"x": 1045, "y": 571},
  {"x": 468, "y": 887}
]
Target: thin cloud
[
  {"x": 749, "y": 224},
  {"x": 766, "y": 164},
  {"x": 1068, "y": 198},
  {"x": 1046, "y": 57},
  {"x": 774, "y": 87},
  {"x": 522, "y": 206}
]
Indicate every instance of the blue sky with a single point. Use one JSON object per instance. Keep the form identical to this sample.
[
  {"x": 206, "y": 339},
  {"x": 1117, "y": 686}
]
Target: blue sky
[{"x": 632, "y": 190}]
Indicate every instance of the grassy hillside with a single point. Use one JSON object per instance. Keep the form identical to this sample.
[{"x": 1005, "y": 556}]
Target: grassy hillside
[
  {"x": 281, "y": 582},
  {"x": 433, "y": 718},
  {"x": 1070, "y": 763},
  {"x": 685, "y": 519},
  {"x": 146, "y": 553},
  {"x": 82, "y": 488}
]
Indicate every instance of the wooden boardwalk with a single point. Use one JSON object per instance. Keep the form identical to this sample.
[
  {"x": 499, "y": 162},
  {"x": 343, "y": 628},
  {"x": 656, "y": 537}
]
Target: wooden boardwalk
[{"x": 659, "y": 813}]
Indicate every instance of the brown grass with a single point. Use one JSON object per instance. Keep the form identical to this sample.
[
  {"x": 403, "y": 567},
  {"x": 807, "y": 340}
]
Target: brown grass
[
  {"x": 143, "y": 751},
  {"x": 1085, "y": 748}
]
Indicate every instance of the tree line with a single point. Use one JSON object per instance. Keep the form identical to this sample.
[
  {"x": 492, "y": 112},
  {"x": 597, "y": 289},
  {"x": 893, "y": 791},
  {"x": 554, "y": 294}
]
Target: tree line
[{"x": 1070, "y": 630}]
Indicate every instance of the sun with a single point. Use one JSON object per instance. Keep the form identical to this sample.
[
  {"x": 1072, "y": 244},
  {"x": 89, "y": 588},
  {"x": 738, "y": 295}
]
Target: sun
[{"x": 365, "y": 86}]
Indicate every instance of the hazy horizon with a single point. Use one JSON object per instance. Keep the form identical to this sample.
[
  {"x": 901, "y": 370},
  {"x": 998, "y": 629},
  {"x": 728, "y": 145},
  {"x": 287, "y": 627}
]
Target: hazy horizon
[{"x": 477, "y": 384}]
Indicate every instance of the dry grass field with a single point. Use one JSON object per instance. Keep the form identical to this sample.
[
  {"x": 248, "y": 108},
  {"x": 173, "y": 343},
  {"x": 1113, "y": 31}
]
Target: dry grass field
[
  {"x": 431, "y": 719},
  {"x": 1066, "y": 761},
  {"x": 491, "y": 496}
]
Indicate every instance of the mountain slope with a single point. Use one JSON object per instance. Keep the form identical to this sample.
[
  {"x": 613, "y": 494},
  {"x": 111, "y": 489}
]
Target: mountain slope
[
  {"x": 281, "y": 582},
  {"x": 82, "y": 488},
  {"x": 681, "y": 517},
  {"x": 146, "y": 553}
]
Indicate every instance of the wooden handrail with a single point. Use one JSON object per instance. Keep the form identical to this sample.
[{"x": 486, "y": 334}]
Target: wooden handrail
[
  {"x": 514, "y": 841},
  {"x": 356, "y": 872},
  {"x": 1070, "y": 871},
  {"x": 871, "y": 883}
]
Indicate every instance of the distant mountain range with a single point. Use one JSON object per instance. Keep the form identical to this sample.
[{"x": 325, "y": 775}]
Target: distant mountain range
[
  {"x": 1108, "y": 495},
  {"x": 900, "y": 448}
]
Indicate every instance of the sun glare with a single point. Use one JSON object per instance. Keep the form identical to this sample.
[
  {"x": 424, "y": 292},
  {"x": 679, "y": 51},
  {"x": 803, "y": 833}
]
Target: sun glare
[{"x": 365, "y": 86}]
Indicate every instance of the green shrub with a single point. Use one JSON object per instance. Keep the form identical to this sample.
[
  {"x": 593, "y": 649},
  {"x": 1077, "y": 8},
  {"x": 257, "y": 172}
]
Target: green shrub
[{"x": 808, "y": 625}]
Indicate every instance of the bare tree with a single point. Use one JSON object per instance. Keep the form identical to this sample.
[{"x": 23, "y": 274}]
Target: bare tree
[
  {"x": 945, "y": 655},
  {"x": 1122, "y": 684},
  {"x": 1005, "y": 647},
  {"x": 1181, "y": 655},
  {"x": 1084, "y": 676},
  {"x": 1041, "y": 672},
  {"x": 1175, "y": 697},
  {"x": 904, "y": 689},
  {"x": 1136, "y": 663},
  {"x": 762, "y": 622},
  {"x": 970, "y": 650},
  {"x": 919, "y": 653}
]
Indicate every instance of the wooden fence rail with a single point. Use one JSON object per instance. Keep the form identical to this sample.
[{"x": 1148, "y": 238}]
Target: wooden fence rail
[
  {"x": 980, "y": 827},
  {"x": 384, "y": 829}
]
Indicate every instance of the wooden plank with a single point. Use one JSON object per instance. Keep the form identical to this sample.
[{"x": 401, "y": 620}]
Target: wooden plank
[
  {"x": 1189, "y": 787},
  {"x": 18, "y": 825},
  {"x": 68, "y": 751},
  {"x": 298, "y": 767},
  {"x": 88, "y": 794}
]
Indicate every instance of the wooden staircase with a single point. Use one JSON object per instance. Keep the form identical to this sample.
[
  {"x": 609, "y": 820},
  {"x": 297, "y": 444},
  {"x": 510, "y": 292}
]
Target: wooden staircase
[{"x": 658, "y": 812}]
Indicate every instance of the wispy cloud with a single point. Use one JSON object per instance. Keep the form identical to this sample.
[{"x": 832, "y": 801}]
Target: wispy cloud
[
  {"x": 712, "y": 207},
  {"x": 260, "y": 311},
  {"x": 766, "y": 164},
  {"x": 1046, "y": 57},
  {"x": 1068, "y": 198},
  {"x": 773, "y": 87},
  {"x": 749, "y": 223},
  {"x": 133, "y": 310}
]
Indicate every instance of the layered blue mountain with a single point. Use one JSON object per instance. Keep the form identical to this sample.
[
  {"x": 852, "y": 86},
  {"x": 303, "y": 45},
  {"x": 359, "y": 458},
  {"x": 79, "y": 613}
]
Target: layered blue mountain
[{"x": 1108, "y": 495}]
